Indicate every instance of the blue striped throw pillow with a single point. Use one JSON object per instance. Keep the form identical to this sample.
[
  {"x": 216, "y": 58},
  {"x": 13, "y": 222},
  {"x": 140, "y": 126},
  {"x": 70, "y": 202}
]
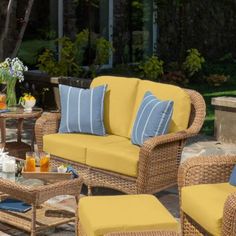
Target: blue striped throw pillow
[
  {"x": 82, "y": 110},
  {"x": 153, "y": 119}
]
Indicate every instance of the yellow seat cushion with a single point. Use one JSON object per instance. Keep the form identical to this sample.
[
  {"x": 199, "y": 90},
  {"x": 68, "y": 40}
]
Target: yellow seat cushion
[
  {"x": 73, "y": 147},
  {"x": 118, "y": 104},
  {"x": 182, "y": 103},
  {"x": 105, "y": 214},
  {"x": 120, "y": 157},
  {"x": 205, "y": 203}
]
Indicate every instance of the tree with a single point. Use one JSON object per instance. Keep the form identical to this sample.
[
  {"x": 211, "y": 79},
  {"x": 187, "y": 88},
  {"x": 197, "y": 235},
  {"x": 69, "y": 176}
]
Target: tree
[{"x": 14, "y": 17}]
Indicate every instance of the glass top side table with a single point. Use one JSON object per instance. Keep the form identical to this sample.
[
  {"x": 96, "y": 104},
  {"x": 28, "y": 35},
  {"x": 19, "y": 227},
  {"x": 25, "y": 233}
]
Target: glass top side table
[{"x": 17, "y": 148}]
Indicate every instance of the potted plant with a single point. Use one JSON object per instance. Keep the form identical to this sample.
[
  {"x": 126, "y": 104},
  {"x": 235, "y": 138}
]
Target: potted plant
[{"x": 11, "y": 71}]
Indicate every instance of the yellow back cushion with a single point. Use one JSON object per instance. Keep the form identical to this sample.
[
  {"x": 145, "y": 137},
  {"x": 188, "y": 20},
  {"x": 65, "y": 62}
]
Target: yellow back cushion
[
  {"x": 182, "y": 103},
  {"x": 119, "y": 103}
]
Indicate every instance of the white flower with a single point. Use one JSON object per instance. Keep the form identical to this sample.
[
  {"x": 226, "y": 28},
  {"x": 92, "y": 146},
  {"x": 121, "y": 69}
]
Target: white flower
[{"x": 12, "y": 68}]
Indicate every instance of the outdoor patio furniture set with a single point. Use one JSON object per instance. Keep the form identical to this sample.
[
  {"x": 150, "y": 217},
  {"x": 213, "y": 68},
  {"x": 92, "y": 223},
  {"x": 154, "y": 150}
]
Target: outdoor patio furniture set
[{"x": 113, "y": 161}]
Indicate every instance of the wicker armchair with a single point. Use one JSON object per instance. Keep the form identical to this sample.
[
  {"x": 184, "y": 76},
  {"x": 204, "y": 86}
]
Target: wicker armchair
[
  {"x": 159, "y": 157},
  {"x": 202, "y": 170}
]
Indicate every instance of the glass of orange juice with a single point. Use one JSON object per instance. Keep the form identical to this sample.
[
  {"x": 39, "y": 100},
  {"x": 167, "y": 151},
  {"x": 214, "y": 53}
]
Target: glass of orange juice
[
  {"x": 30, "y": 162},
  {"x": 44, "y": 161},
  {"x": 3, "y": 104}
]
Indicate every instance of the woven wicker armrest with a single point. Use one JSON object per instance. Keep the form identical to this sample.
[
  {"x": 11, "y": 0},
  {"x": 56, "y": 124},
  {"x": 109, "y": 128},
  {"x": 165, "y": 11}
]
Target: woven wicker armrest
[
  {"x": 229, "y": 217},
  {"x": 154, "y": 142},
  {"x": 204, "y": 170},
  {"x": 145, "y": 233},
  {"x": 48, "y": 123}
]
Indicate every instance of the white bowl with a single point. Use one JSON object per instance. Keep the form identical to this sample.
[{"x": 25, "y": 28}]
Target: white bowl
[
  {"x": 61, "y": 169},
  {"x": 28, "y": 104}
]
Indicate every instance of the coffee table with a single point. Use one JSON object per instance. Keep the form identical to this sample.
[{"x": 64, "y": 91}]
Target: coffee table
[{"x": 36, "y": 192}]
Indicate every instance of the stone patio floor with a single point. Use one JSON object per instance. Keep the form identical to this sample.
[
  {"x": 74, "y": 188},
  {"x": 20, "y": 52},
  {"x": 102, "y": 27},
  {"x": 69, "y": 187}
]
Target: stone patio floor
[{"x": 198, "y": 146}]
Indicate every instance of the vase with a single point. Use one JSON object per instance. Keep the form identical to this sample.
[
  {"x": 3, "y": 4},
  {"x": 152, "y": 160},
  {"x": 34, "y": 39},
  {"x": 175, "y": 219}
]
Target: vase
[{"x": 11, "y": 93}]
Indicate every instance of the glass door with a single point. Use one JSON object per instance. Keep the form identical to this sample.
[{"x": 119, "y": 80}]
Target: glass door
[{"x": 143, "y": 29}]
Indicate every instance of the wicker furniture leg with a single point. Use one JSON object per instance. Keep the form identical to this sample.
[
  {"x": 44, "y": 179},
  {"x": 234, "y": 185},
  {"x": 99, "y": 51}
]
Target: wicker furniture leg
[
  {"x": 90, "y": 190},
  {"x": 19, "y": 129},
  {"x": 76, "y": 216},
  {"x": 3, "y": 131},
  {"x": 33, "y": 223}
]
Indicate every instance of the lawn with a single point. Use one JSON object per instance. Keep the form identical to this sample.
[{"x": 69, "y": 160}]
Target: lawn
[
  {"x": 208, "y": 92},
  {"x": 31, "y": 49}
]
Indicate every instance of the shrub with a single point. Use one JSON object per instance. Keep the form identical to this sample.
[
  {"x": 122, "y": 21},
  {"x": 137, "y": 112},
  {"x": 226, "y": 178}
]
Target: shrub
[
  {"x": 193, "y": 62},
  {"x": 152, "y": 68},
  {"x": 73, "y": 55}
]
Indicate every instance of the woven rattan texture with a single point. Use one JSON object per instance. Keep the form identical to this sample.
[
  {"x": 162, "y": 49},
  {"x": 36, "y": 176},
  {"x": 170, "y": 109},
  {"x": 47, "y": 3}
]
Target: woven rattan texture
[
  {"x": 207, "y": 170},
  {"x": 144, "y": 233},
  {"x": 159, "y": 157},
  {"x": 35, "y": 220}
]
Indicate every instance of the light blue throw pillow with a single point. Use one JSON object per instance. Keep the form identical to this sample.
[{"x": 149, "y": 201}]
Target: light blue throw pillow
[
  {"x": 82, "y": 110},
  {"x": 232, "y": 179},
  {"x": 153, "y": 119}
]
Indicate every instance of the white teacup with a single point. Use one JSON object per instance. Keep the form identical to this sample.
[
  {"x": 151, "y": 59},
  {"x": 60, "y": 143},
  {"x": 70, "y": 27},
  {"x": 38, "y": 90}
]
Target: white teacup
[{"x": 28, "y": 104}]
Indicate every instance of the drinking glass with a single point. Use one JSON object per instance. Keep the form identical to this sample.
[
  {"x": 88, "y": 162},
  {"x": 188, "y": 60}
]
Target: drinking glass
[
  {"x": 30, "y": 162},
  {"x": 3, "y": 104},
  {"x": 44, "y": 161}
]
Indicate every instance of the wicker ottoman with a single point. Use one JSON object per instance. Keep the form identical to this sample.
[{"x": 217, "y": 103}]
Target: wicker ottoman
[{"x": 106, "y": 214}]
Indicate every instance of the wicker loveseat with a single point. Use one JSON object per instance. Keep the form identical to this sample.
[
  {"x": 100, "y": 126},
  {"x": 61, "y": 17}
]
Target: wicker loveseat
[
  {"x": 208, "y": 201},
  {"x": 112, "y": 161}
]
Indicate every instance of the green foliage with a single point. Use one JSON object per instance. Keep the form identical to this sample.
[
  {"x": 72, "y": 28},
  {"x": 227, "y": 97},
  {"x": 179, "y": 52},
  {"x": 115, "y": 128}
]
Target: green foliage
[
  {"x": 193, "y": 62},
  {"x": 228, "y": 58},
  {"x": 152, "y": 68},
  {"x": 103, "y": 50},
  {"x": 73, "y": 56},
  {"x": 48, "y": 63}
]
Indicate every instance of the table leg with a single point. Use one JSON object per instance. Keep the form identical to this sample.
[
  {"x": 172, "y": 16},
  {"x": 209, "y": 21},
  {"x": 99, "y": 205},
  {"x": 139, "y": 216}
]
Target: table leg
[
  {"x": 77, "y": 216},
  {"x": 3, "y": 131},
  {"x": 33, "y": 223},
  {"x": 32, "y": 140},
  {"x": 19, "y": 129}
]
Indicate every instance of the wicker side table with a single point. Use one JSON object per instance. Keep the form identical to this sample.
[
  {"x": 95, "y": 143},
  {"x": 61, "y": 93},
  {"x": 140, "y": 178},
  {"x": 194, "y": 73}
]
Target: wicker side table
[{"x": 17, "y": 148}]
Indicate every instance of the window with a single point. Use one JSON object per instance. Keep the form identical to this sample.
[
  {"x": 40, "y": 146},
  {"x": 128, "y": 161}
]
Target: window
[
  {"x": 142, "y": 29},
  {"x": 93, "y": 15},
  {"x": 56, "y": 18},
  {"x": 134, "y": 23}
]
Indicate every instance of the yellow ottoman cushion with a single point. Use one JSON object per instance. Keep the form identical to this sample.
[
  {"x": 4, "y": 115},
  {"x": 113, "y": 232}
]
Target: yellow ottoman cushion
[
  {"x": 105, "y": 214},
  {"x": 205, "y": 203}
]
